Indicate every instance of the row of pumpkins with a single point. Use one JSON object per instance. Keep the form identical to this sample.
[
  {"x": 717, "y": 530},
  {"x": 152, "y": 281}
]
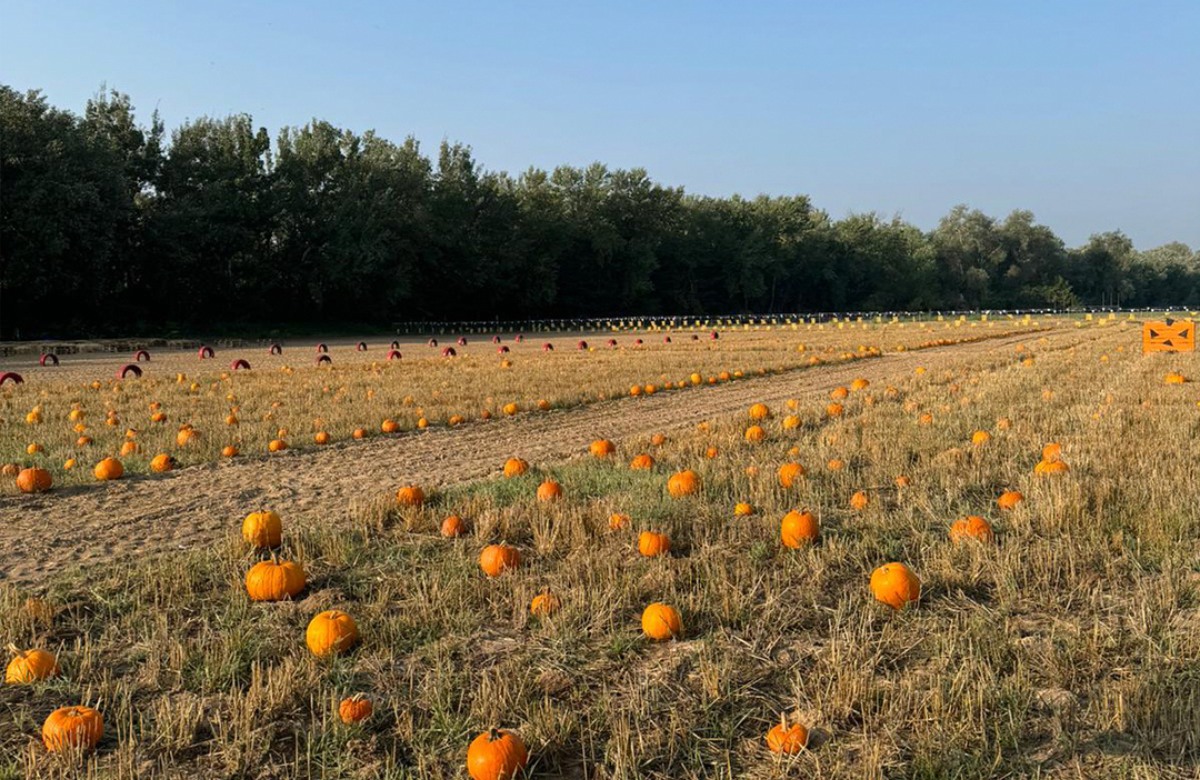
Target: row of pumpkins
[{"x": 499, "y": 754}]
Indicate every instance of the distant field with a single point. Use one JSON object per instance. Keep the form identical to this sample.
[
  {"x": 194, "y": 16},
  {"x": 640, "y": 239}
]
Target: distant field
[{"x": 1062, "y": 642}]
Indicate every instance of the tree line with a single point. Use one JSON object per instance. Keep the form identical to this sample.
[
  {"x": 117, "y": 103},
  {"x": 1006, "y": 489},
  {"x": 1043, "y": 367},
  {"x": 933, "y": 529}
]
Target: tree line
[{"x": 111, "y": 226}]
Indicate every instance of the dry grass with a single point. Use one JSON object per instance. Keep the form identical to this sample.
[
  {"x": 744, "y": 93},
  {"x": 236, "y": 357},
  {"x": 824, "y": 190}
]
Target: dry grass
[{"x": 1069, "y": 648}]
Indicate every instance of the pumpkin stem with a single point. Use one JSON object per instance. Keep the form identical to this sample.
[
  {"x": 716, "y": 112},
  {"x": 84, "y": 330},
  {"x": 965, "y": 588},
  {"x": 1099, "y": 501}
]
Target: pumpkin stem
[
  {"x": 13, "y": 649},
  {"x": 783, "y": 721},
  {"x": 494, "y": 734}
]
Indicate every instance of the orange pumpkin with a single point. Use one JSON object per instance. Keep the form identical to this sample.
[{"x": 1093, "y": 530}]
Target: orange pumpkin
[
  {"x": 262, "y": 529},
  {"x": 1046, "y": 468},
  {"x": 1052, "y": 451},
  {"x": 229, "y": 451},
  {"x": 791, "y": 422},
  {"x": 274, "y": 580},
  {"x": 895, "y": 585},
  {"x": 72, "y": 728},
  {"x": 410, "y": 495},
  {"x": 1009, "y": 499},
  {"x": 545, "y": 604},
  {"x": 515, "y": 467},
  {"x": 28, "y": 666},
  {"x": 971, "y": 527},
  {"x": 453, "y": 527},
  {"x": 903, "y": 481},
  {"x": 742, "y": 509},
  {"x": 859, "y": 500},
  {"x": 617, "y": 521},
  {"x": 652, "y": 544},
  {"x": 799, "y": 529},
  {"x": 496, "y": 755},
  {"x": 642, "y": 462},
  {"x": 980, "y": 438},
  {"x": 321, "y": 437},
  {"x": 276, "y": 445},
  {"x": 787, "y": 740},
  {"x": 109, "y": 468},
  {"x": 602, "y": 448},
  {"x": 359, "y": 433},
  {"x": 332, "y": 631},
  {"x": 789, "y": 473},
  {"x": 162, "y": 463},
  {"x": 34, "y": 480},
  {"x": 859, "y": 384},
  {"x": 658, "y": 439},
  {"x": 683, "y": 483},
  {"x": 498, "y": 558},
  {"x": 389, "y": 426},
  {"x": 549, "y": 491},
  {"x": 759, "y": 412},
  {"x": 661, "y": 621},
  {"x": 355, "y": 709},
  {"x": 834, "y": 410},
  {"x": 755, "y": 433}
]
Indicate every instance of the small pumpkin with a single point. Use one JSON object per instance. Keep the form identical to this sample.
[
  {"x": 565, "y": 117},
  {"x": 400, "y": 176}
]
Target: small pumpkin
[
  {"x": 496, "y": 754},
  {"x": 34, "y": 480},
  {"x": 642, "y": 462},
  {"x": 683, "y": 483},
  {"x": 859, "y": 384},
  {"x": 109, "y": 468},
  {"x": 499, "y": 558},
  {"x": 859, "y": 501},
  {"x": 742, "y": 509},
  {"x": 1052, "y": 451},
  {"x": 229, "y": 451},
  {"x": 838, "y": 393},
  {"x": 72, "y": 728},
  {"x": 602, "y": 448},
  {"x": 834, "y": 410},
  {"x": 903, "y": 481},
  {"x": 515, "y": 467},
  {"x": 895, "y": 585},
  {"x": 545, "y": 604},
  {"x": 549, "y": 491},
  {"x": 29, "y": 666},
  {"x": 1009, "y": 499},
  {"x": 332, "y": 631},
  {"x": 759, "y": 412},
  {"x": 661, "y": 621},
  {"x": 798, "y": 529},
  {"x": 321, "y": 437},
  {"x": 276, "y": 445},
  {"x": 980, "y": 438},
  {"x": 453, "y": 527},
  {"x": 791, "y": 422},
  {"x": 652, "y": 544},
  {"x": 617, "y": 521},
  {"x": 389, "y": 426},
  {"x": 359, "y": 433},
  {"x": 1046, "y": 468},
  {"x": 162, "y": 463},
  {"x": 410, "y": 495},
  {"x": 789, "y": 473},
  {"x": 262, "y": 529},
  {"x": 971, "y": 527},
  {"x": 658, "y": 439},
  {"x": 785, "y": 739},
  {"x": 755, "y": 434},
  {"x": 355, "y": 709},
  {"x": 274, "y": 580}
]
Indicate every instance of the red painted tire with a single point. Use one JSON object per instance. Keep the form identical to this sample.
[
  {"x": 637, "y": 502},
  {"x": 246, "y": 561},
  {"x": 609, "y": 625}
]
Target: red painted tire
[
  {"x": 666, "y": 339},
  {"x": 141, "y": 355},
  {"x": 275, "y": 349},
  {"x": 433, "y": 342},
  {"x": 324, "y": 359},
  {"x": 394, "y": 355},
  {"x": 502, "y": 349},
  {"x": 612, "y": 343},
  {"x": 637, "y": 342},
  {"x": 582, "y": 345},
  {"x": 48, "y": 359},
  {"x": 449, "y": 352},
  {"x": 714, "y": 335},
  {"x": 395, "y": 345},
  {"x": 322, "y": 348},
  {"x": 462, "y": 341},
  {"x": 519, "y": 338},
  {"x": 11, "y": 376},
  {"x": 361, "y": 346},
  {"x": 547, "y": 347},
  {"x": 205, "y": 352},
  {"x": 495, "y": 339},
  {"x": 238, "y": 364},
  {"x": 129, "y": 368}
]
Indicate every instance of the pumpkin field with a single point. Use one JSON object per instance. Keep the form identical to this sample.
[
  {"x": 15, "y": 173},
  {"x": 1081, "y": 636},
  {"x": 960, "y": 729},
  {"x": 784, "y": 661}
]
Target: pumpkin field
[{"x": 951, "y": 549}]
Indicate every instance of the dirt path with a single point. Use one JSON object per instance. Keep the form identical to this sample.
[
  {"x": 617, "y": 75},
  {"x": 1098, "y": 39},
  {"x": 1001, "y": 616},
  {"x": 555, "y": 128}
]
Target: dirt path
[{"x": 40, "y": 535}]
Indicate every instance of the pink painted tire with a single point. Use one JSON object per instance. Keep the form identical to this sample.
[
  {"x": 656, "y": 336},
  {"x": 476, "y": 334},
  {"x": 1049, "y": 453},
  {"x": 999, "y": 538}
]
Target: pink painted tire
[
  {"x": 714, "y": 335},
  {"x": 324, "y": 359},
  {"x": 395, "y": 345},
  {"x": 495, "y": 339},
  {"x": 141, "y": 355},
  {"x": 666, "y": 339},
  {"x": 394, "y": 355},
  {"x": 547, "y": 347},
  {"x": 519, "y": 338},
  {"x": 637, "y": 342},
  {"x": 48, "y": 359},
  {"x": 239, "y": 364},
  {"x": 275, "y": 349},
  {"x": 612, "y": 343},
  {"x": 205, "y": 353},
  {"x": 449, "y": 352},
  {"x": 322, "y": 348},
  {"x": 462, "y": 341},
  {"x": 502, "y": 349},
  {"x": 361, "y": 346},
  {"x": 433, "y": 343},
  {"x": 129, "y": 368}
]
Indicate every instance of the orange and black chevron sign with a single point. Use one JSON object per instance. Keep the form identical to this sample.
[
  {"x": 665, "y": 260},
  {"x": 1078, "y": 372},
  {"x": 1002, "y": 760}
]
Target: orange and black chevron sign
[{"x": 1169, "y": 336}]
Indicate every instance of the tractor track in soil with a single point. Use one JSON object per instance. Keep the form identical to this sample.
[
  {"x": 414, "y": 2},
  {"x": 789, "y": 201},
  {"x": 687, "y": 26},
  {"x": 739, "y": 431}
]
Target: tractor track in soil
[{"x": 41, "y": 535}]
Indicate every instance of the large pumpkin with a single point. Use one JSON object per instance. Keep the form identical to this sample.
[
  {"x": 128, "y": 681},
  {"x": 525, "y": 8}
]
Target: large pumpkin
[
  {"x": 661, "y": 621},
  {"x": 683, "y": 483},
  {"x": 162, "y": 463},
  {"x": 895, "y": 585},
  {"x": 798, "y": 529},
  {"x": 789, "y": 473},
  {"x": 515, "y": 467},
  {"x": 498, "y": 558},
  {"x": 262, "y": 529},
  {"x": 332, "y": 631},
  {"x": 33, "y": 480},
  {"x": 453, "y": 527},
  {"x": 652, "y": 544},
  {"x": 549, "y": 491},
  {"x": 72, "y": 728},
  {"x": 274, "y": 580},
  {"x": 109, "y": 468},
  {"x": 759, "y": 412},
  {"x": 496, "y": 755},
  {"x": 602, "y": 448}
]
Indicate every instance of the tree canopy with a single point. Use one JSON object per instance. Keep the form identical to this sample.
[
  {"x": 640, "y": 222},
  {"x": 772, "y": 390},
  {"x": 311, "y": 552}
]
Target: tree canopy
[{"x": 110, "y": 226}]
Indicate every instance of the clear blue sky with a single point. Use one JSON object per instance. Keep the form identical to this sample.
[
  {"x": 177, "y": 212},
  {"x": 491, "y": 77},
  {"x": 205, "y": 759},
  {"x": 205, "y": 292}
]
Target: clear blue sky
[{"x": 1087, "y": 113}]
